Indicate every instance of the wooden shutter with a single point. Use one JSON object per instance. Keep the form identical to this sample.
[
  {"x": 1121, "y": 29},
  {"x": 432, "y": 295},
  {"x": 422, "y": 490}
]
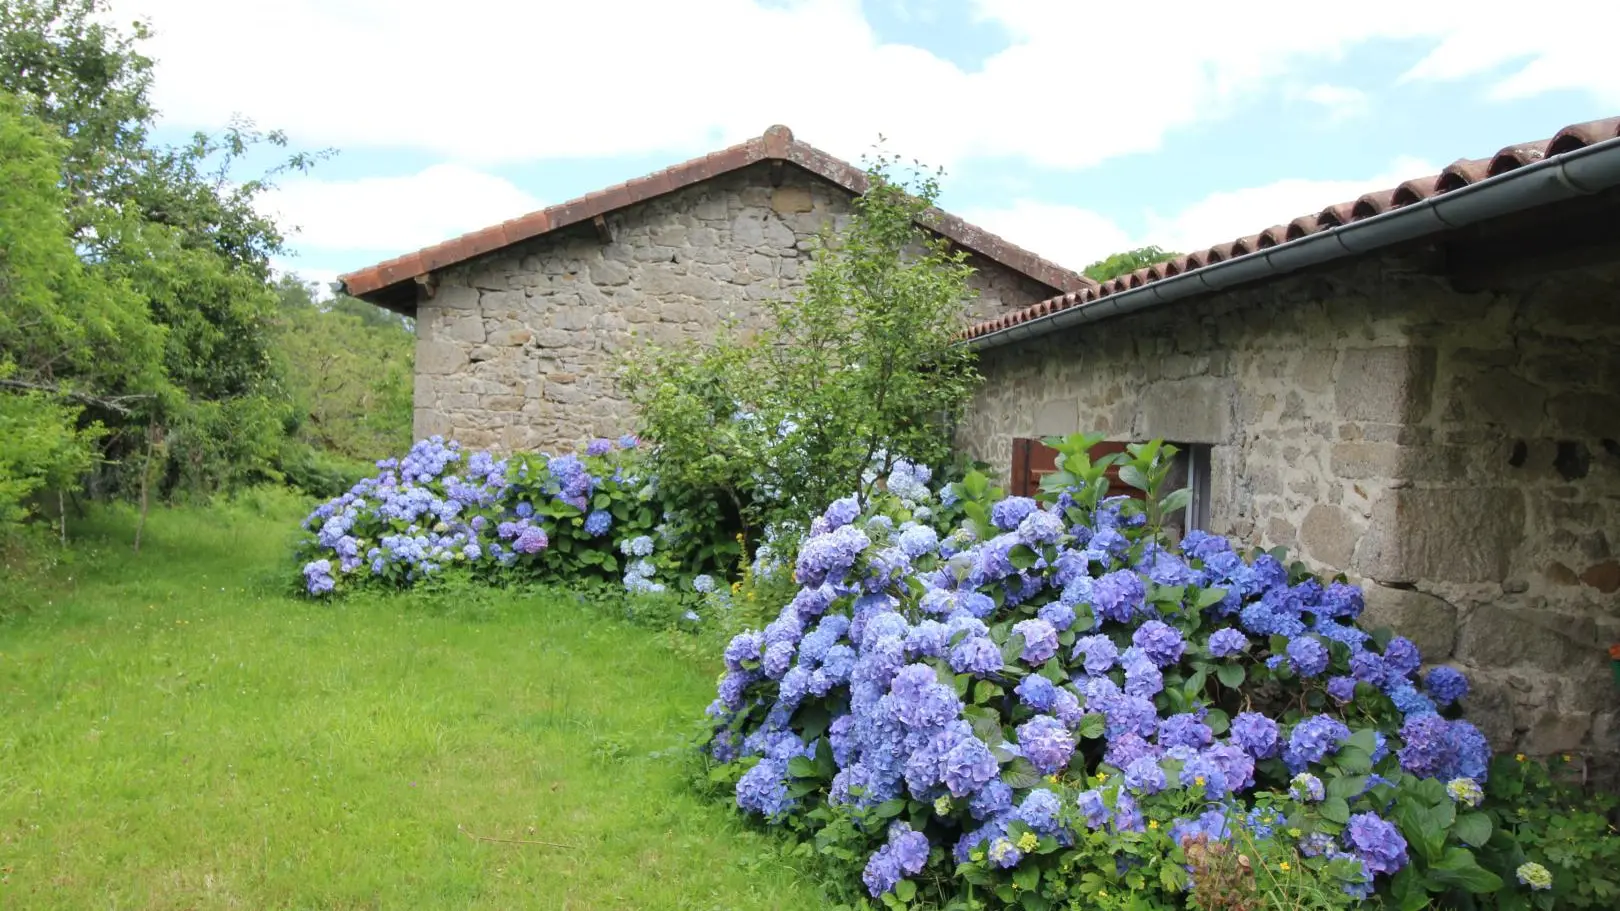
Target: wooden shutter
[{"x": 1031, "y": 459}]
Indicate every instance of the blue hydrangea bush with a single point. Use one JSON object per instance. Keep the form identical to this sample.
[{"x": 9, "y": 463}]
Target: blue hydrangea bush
[
  {"x": 1050, "y": 705},
  {"x": 443, "y": 510}
]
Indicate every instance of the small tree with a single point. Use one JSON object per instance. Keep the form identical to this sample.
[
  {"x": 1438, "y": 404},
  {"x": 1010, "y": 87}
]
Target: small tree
[
  {"x": 1127, "y": 262},
  {"x": 855, "y": 371}
]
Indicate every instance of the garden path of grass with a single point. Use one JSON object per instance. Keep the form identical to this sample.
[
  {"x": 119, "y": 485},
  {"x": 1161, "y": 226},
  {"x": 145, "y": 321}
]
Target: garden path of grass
[{"x": 177, "y": 733}]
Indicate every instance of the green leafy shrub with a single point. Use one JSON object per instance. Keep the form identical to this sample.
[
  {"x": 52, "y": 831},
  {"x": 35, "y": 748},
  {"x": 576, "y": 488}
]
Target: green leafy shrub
[{"x": 842, "y": 380}]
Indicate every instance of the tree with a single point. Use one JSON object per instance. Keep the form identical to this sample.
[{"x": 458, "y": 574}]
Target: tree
[
  {"x": 854, "y": 372},
  {"x": 77, "y": 347},
  {"x": 173, "y": 225},
  {"x": 348, "y": 368},
  {"x": 1127, "y": 262}
]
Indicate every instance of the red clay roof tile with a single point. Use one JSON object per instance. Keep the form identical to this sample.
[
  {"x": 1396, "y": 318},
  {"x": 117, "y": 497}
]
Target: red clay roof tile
[
  {"x": 1460, "y": 174},
  {"x": 777, "y": 144}
]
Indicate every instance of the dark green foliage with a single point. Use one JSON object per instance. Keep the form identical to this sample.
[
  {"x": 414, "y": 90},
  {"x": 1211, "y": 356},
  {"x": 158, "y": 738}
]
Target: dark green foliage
[{"x": 1127, "y": 262}]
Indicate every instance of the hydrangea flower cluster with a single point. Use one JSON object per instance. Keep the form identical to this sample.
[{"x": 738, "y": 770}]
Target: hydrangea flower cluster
[
  {"x": 993, "y": 675},
  {"x": 441, "y": 506}
]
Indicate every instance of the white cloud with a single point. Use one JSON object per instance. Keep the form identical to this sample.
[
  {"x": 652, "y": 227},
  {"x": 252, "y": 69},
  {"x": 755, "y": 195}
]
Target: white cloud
[
  {"x": 394, "y": 213},
  {"x": 1067, "y": 235},
  {"x": 1229, "y": 215},
  {"x": 486, "y": 81},
  {"x": 1340, "y": 102},
  {"x": 1076, "y": 237}
]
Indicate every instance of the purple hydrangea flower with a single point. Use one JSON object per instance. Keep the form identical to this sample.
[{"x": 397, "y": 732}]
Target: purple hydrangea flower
[
  {"x": 599, "y": 447},
  {"x": 531, "y": 540},
  {"x": 1307, "y": 656},
  {"x": 1312, "y": 740},
  {"x": 1160, "y": 642},
  {"x": 976, "y": 655},
  {"x": 1037, "y": 692},
  {"x": 969, "y": 766},
  {"x": 904, "y": 855},
  {"x": 1040, "y": 811},
  {"x": 1377, "y": 842},
  {"x": 763, "y": 789},
  {"x": 598, "y": 523},
  {"x": 1060, "y": 615},
  {"x": 1040, "y": 640},
  {"x": 1117, "y": 595},
  {"x": 1006, "y": 514},
  {"x": 1342, "y": 689},
  {"x": 1256, "y": 734},
  {"x": 1046, "y": 743},
  {"x": 1145, "y": 775},
  {"x": 1093, "y": 807},
  {"x": 1099, "y": 651},
  {"x": 1401, "y": 656},
  {"x": 1227, "y": 641},
  {"x": 1446, "y": 685},
  {"x": 1184, "y": 730},
  {"x": 1040, "y": 527}
]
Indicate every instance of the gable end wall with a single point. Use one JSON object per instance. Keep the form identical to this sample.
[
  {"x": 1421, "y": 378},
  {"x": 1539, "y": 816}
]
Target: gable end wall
[{"x": 517, "y": 350}]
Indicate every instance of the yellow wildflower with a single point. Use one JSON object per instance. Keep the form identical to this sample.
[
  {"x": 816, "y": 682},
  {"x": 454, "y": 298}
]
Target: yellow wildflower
[
  {"x": 1283, "y": 866},
  {"x": 1102, "y": 777},
  {"x": 1198, "y": 779},
  {"x": 1519, "y": 757},
  {"x": 1153, "y": 823},
  {"x": 1052, "y": 778},
  {"x": 1295, "y": 833},
  {"x": 976, "y": 856}
]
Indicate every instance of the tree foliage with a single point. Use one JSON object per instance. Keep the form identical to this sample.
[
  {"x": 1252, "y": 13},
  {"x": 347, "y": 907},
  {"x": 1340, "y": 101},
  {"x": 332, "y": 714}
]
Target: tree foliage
[
  {"x": 138, "y": 309},
  {"x": 855, "y": 371},
  {"x": 1127, "y": 262},
  {"x": 348, "y": 367}
]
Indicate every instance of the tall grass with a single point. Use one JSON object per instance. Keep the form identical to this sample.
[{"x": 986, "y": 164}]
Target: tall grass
[{"x": 179, "y": 731}]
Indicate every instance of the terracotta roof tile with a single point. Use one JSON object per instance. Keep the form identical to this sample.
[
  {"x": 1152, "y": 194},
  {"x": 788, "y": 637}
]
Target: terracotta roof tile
[
  {"x": 1462, "y": 173},
  {"x": 777, "y": 144}
]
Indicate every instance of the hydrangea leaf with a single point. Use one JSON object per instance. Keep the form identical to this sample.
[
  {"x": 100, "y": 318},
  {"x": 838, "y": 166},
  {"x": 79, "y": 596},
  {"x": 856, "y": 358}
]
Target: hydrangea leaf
[
  {"x": 1457, "y": 867},
  {"x": 1022, "y": 557},
  {"x": 1335, "y": 809},
  {"x": 889, "y": 809},
  {"x": 1020, "y": 774},
  {"x": 1231, "y": 675},
  {"x": 1347, "y": 787},
  {"x": 1209, "y": 597},
  {"x": 1473, "y": 829},
  {"x": 1027, "y": 877},
  {"x": 1092, "y": 726},
  {"x": 905, "y": 890}
]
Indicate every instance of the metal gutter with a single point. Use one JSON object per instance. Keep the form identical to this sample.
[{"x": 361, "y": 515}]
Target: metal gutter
[{"x": 1580, "y": 172}]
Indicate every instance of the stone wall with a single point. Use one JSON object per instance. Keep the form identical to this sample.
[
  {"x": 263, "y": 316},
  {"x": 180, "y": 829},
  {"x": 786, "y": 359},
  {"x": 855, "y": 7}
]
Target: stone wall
[
  {"x": 517, "y": 349},
  {"x": 1454, "y": 453}
]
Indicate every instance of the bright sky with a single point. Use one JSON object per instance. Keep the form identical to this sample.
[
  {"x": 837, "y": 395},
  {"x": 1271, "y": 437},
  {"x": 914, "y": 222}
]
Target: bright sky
[{"x": 1071, "y": 127}]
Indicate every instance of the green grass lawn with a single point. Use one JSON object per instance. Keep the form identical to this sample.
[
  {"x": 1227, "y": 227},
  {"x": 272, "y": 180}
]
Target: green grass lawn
[{"x": 175, "y": 732}]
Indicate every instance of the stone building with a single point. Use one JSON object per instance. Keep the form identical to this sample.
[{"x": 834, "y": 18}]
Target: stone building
[
  {"x": 1420, "y": 388},
  {"x": 519, "y": 325}
]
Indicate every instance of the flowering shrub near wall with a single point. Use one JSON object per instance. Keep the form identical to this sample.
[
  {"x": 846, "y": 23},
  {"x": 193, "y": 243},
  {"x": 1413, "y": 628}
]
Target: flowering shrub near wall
[
  {"x": 443, "y": 510},
  {"x": 1050, "y": 706}
]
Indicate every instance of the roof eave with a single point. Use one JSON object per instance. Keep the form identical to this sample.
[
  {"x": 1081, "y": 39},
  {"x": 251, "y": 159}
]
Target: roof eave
[{"x": 1568, "y": 175}]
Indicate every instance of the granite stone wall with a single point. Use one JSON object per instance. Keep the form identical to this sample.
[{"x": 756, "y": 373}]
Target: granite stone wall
[
  {"x": 517, "y": 350},
  {"x": 1455, "y": 453}
]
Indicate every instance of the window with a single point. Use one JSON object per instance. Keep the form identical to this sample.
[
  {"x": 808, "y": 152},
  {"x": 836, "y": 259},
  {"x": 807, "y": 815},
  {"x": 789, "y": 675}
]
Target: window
[{"x": 1031, "y": 459}]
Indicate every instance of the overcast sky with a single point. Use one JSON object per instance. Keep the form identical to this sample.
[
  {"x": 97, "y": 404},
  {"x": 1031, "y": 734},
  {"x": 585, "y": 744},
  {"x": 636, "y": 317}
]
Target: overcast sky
[{"x": 1071, "y": 127}]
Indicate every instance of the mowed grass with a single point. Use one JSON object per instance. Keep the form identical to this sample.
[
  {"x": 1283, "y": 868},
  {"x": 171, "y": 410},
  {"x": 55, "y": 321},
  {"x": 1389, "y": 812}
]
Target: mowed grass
[{"x": 176, "y": 732}]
